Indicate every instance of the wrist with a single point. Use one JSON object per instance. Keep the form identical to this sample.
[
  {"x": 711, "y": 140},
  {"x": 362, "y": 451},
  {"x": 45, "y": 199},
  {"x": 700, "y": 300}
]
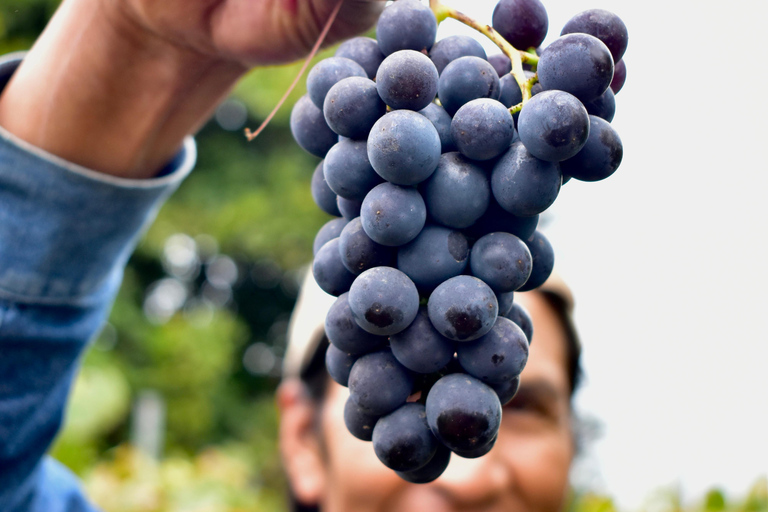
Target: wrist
[{"x": 102, "y": 92}]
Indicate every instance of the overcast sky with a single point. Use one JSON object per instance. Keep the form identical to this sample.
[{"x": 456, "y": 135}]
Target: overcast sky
[{"x": 668, "y": 257}]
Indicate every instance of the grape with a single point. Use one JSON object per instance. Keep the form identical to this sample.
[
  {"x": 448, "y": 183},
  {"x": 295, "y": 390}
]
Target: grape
[
  {"x": 579, "y": 64},
  {"x": 347, "y": 170},
  {"x": 363, "y": 50},
  {"x": 339, "y": 363},
  {"x": 352, "y": 106},
  {"x": 475, "y": 453},
  {"x": 619, "y": 76},
  {"x": 482, "y": 129},
  {"x": 359, "y": 422},
  {"x": 553, "y": 125},
  {"x": 329, "y": 231},
  {"x": 407, "y": 80},
  {"x": 605, "y": 26},
  {"x": 406, "y": 25},
  {"x": 330, "y": 274},
  {"x": 500, "y": 63},
  {"x": 378, "y": 383},
  {"x": 441, "y": 120},
  {"x": 523, "y": 23},
  {"x": 324, "y": 197},
  {"x": 431, "y": 471},
  {"x": 383, "y": 300},
  {"x": 309, "y": 128},
  {"x": 466, "y": 79},
  {"x": 522, "y": 318},
  {"x": 420, "y": 348},
  {"x": 604, "y": 106},
  {"x": 501, "y": 260},
  {"x": 344, "y": 333},
  {"x": 404, "y": 147},
  {"x": 543, "y": 261},
  {"x": 463, "y": 308},
  {"x": 463, "y": 412},
  {"x": 524, "y": 185},
  {"x": 600, "y": 156},
  {"x": 497, "y": 357},
  {"x": 393, "y": 215},
  {"x": 506, "y": 391},
  {"x": 359, "y": 252},
  {"x": 349, "y": 208},
  {"x": 437, "y": 254},
  {"x": 457, "y": 193},
  {"x": 506, "y": 301},
  {"x": 453, "y": 47},
  {"x": 326, "y": 73},
  {"x": 402, "y": 439},
  {"x": 497, "y": 218}
]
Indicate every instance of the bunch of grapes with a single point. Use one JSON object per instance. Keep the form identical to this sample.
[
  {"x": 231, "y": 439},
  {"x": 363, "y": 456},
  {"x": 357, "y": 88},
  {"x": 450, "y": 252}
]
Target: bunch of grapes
[{"x": 437, "y": 163}]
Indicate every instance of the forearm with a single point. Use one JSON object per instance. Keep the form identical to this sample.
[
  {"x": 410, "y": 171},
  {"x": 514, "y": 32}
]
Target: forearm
[{"x": 102, "y": 92}]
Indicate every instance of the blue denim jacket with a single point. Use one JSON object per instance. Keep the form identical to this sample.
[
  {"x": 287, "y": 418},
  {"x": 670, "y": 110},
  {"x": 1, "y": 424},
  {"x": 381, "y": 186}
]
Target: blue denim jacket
[{"x": 65, "y": 235}]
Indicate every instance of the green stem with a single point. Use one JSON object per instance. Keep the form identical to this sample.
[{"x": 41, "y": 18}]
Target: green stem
[{"x": 516, "y": 57}]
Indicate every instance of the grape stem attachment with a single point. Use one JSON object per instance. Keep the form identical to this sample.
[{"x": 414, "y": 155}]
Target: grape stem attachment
[{"x": 516, "y": 57}]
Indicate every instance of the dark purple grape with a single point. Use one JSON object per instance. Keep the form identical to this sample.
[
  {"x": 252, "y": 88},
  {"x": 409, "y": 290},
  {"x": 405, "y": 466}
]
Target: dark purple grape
[
  {"x": 347, "y": 170},
  {"x": 476, "y": 453},
  {"x": 329, "y": 231},
  {"x": 506, "y": 300},
  {"x": 431, "y": 471},
  {"x": 497, "y": 357},
  {"x": 579, "y": 64},
  {"x": 457, "y": 193},
  {"x": 507, "y": 390},
  {"x": 309, "y": 129},
  {"x": 463, "y": 413},
  {"x": 402, "y": 439},
  {"x": 328, "y": 72},
  {"x": 420, "y": 348},
  {"x": 330, "y": 274},
  {"x": 619, "y": 76},
  {"x": 352, "y": 106},
  {"x": 605, "y": 26},
  {"x": 501, "y": 64},
  {"x": 437, "y": 254},
  {"x": 358, "y": 421},
  {"x": 452, "y": 47},
  {"x": 522, "y": 318},
  {"x": 502, "y": 261},
  {"x": 349, "y": 208},
  {"x": 497, "y": 218},
  {"x": 441, "y": 120},
  {"x": 393, "y": 215},
  {"x": 463, "y": 308},
  {"x": 363, "y": 50},
  {"x": 604, "y": 106},
  {"x": 406, "y": 25},
  {"x": 404, "y": 147},
  {"x": 339, "y": 363},
  {"x": 383, "y": 300},
  {"x": 524, "y": 185},
  {"x": 407, "y": 80},
  {"x": 600, "y": 156},
  {"x": 359, "y": 252},
  {"x": 523, "y": 23},
  {"x": 324, "y": 197},
  {"x": 466, "y": 79},
  {"x": 344, "y": 333},
  {"x": 543, "y": 261},
  {"x": 553, "y": 125},
  {"x": 482, "y": 129},
  {"x": 379, "y": 384}
]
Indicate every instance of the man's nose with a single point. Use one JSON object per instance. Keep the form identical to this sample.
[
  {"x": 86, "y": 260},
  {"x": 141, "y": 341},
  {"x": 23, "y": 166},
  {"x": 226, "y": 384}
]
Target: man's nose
[{"x": 474, "y": 481}]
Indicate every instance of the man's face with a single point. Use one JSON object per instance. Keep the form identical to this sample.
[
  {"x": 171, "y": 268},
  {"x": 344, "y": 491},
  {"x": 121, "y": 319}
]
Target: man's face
[{"x": 527, "y": 470}]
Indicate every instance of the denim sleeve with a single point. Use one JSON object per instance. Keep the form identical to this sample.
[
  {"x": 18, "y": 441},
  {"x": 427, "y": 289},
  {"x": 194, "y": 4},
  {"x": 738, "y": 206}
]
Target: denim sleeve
[{"x": 65, "y": 235}]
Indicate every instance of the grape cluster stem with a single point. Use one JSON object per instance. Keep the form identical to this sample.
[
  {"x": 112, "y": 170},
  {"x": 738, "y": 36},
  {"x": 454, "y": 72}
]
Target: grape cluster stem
[{"x": 516, "y": 57}]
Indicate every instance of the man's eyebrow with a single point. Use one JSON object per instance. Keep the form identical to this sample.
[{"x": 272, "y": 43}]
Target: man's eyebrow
[{"x": 541, "y": 388}]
